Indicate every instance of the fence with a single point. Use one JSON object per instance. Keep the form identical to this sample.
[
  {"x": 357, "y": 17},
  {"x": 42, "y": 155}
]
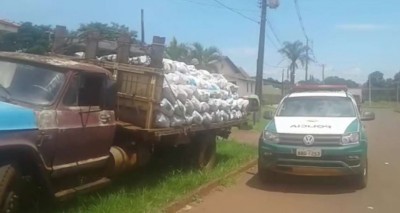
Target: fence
[{"x": 381, "y": 94}]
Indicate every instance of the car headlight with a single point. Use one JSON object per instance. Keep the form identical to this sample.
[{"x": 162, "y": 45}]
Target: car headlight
[
  {"x": 270, "y": 137},
  {"x": 350, "y": 139}
]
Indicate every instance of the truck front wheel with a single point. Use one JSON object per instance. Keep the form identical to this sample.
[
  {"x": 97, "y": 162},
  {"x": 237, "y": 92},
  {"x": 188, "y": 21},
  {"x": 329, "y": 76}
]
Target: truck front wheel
[{"x": 9, "y": 189}]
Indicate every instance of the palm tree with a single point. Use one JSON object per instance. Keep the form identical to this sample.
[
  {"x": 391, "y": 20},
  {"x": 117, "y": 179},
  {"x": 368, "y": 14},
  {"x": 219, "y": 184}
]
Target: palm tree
[
  {"x": 203, "y": 56},
  {"x": 177, "y": 52},
  {"x": 295, "y": 52}
]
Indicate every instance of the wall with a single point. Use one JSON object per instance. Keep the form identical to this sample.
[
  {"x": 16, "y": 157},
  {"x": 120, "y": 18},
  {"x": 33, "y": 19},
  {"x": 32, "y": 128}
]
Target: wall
[
  {"x": 7, "y": 28},
  {"x": 246, "y": 87}
]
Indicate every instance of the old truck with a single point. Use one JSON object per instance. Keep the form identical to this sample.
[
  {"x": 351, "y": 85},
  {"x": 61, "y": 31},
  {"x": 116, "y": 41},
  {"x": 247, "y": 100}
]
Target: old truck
[{"x": 71, "y": 126}]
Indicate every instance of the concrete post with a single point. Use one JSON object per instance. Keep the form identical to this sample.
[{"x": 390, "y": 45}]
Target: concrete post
[
  {"x": 92, "y": 44},
  {"x": 124, "y": 48},
  {"x": 157, "y": 51},
  {"x": 60, "y": 35}
]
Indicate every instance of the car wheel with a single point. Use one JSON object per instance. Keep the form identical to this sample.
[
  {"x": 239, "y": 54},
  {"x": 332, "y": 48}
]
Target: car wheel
[
  {"x": 361, "y": 179},
  {"x": 266, "y": 175}
]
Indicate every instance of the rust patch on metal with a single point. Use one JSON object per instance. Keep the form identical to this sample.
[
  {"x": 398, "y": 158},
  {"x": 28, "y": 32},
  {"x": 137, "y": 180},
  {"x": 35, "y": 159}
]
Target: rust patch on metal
[{"x": 53, "y": 61}]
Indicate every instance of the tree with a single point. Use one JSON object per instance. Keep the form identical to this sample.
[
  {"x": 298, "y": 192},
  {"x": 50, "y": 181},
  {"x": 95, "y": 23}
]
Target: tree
[
  {"x": 107, "y": 31},
  {"x": 377, "y": 79},
  {"x": 311, "y": 81},
  {"x": 397, "y": 77},
  {"x": 295, "y": 52},
  {"x": 201, "y": 57},
  {"x": 177, "y": 52},
  {"x": 334, "y": 80},
  {"x": 29, "y": 38}
]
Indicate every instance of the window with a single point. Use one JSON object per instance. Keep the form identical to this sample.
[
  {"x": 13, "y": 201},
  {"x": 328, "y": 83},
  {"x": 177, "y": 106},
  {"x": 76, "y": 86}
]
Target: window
[
  {"x": 248, "y": 86},
  {"x": 317, "y": 107},
  {"x": 85, "y": 90},
  {"x": 31, "y": 84},
  {"x": 251, "y": 87}
]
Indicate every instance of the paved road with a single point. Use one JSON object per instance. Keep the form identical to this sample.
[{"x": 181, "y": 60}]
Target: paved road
[{"x": 328, "y": 195}]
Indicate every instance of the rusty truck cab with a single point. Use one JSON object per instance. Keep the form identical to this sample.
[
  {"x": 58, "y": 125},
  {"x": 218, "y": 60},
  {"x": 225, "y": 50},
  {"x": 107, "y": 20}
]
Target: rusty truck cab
[{"x": 53, "y": 114}]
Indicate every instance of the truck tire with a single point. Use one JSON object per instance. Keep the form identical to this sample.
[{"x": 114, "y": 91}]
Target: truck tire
[
  {"x": 204, "y": 152},
  {"x": 9, "y": 189}
]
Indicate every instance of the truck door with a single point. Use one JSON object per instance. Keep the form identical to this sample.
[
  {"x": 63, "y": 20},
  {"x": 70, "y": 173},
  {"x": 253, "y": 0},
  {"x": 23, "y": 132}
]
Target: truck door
[{"x": 86, "y": 130}]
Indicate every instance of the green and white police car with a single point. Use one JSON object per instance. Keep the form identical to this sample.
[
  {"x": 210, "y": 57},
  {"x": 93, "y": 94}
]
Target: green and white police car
[{"x": 316, "y": 131}]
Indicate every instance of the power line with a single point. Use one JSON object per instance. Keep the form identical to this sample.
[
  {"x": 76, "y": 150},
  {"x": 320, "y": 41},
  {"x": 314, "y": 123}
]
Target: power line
[
  {"x": 300, "y": 18},
  {"x": 217, "y": 6},
  {"x": 237, "y": 12},
  {"x": 272, "y": 42},
  {"x": 200, "y": 3},
  {"x": 273, "y": 32}
]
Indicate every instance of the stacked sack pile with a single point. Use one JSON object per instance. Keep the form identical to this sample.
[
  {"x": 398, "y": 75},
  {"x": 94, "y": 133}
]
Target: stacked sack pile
[{"x": 192, "y": 96}]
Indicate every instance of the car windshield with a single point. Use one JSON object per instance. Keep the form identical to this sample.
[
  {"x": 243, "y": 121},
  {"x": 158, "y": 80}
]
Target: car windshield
[
  {"x": 317, "y": 107},
  {"x": 30, "y": 84}
]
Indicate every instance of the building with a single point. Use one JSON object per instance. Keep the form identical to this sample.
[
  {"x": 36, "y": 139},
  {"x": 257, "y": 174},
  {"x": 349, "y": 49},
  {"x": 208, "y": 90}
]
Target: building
[
  {"x": 6, "y": 26},
  {"x": 234, "y": 74}
]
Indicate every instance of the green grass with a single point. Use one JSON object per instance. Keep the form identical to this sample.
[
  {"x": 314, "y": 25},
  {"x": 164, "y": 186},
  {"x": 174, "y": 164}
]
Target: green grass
[
  {"x": 153, "y": 188},
  {"x": 260, "y": 125}
]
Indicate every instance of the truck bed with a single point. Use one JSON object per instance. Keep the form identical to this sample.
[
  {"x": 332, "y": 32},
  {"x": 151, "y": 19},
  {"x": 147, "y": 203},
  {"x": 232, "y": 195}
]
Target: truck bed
[{"x": 159, "y": 132}]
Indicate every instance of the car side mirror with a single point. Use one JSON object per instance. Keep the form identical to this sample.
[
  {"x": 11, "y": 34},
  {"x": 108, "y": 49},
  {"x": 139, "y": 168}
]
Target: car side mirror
[
  {"x": 268, "y": 115},
  {"x": 110, "y": 95},
  {"x": 367, "y": 116}
]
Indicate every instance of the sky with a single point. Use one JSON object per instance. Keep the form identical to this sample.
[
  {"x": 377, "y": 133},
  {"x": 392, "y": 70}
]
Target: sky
[{"x": 352, "y": 38}]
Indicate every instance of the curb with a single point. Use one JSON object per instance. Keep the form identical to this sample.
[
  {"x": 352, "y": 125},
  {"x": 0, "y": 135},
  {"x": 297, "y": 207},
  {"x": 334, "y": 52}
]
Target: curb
[{"x": 205, "y": 189}]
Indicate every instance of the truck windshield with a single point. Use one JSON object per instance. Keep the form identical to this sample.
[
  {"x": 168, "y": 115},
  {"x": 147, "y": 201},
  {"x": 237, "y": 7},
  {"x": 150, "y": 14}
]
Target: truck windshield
[
  {"x": 30, "y": 84},
  {"x": 317, "y": 107}
]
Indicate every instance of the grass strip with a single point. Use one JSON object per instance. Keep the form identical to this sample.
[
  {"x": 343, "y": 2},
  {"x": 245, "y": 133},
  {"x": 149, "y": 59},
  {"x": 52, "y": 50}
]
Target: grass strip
[{"x": 153, "y": 188}]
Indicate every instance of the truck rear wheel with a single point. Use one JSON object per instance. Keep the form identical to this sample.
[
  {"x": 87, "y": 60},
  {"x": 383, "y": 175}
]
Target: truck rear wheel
[
  {"x": 204, "y": 151},
  {"x": 9, "y": 189}
]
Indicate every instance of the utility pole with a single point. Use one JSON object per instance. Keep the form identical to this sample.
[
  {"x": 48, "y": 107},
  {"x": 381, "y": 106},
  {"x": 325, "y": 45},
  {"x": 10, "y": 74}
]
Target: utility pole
[
  {"x": 306, "y": 58},
  {"x": 142, "y": 22},
  {"x": 323, "y": 73},
  {"x": 261, "y": 45},
  {"x": 369, "y": 89},
  {"x": 397, "y": 94},
  {"x": 283, "y": 84}
]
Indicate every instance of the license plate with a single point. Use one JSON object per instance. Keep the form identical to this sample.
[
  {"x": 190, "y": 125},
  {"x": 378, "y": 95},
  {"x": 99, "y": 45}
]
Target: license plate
[{"x": 309, "y": 152}]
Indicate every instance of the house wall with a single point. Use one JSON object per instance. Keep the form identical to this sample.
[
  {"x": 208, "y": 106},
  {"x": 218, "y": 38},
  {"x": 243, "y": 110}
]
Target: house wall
[
  {"x": 8, "y": 28},
  {"x": 246, "y": 87}
]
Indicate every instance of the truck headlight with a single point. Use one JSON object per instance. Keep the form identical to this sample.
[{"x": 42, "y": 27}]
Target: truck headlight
[
  {"x": 271, "y": 137},
  {"x": 47, "y": 119},
  {"x": 350, "y": 139}
]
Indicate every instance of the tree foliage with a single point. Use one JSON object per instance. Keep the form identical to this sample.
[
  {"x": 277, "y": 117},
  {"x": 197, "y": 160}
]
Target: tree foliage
[
  {"x": 195, "y": 54},
  {"x": 334, "y": 80},
  {"x": 311, "y": 81},
  {"x": 30, "y": 38},
  {"x": 296, "y": 53},
  {"x": 377, "y": 79},
  {"x": 177, "y": 52},
  {"x": 201, "y": 56},
  {"x": 107, "y": 31}
]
